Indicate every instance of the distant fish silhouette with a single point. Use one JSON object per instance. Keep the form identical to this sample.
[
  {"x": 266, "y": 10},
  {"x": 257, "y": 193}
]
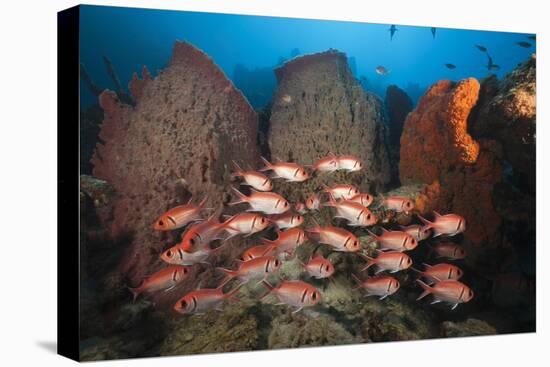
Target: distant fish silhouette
[
  {"x": 532, "y": 38},
  {"x": 490, "y": 64},
  {"x": 382, "y": 70},
  {"x": 481, "y": 48},
  {"x": 524, "y": 44},
  {"x": 450, "y": 66},
  {"x": 392, "y": 31},
  {"x": 433, "y": 31}
]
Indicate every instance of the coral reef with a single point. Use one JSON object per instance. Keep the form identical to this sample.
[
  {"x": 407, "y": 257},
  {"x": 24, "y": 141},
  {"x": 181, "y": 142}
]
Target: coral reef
[
  {"x": 437, "y": 149},
  {"x": 319, "y": 108},
  {"x": 470, "y": 327},
  {"x": 188, "y": 124}
]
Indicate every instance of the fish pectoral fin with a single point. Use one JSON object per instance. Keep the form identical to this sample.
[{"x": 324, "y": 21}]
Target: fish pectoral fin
[
  {"x": 394, "y": 271},
  {"x": 454, "y": 306},
  {"x": 384, "y": 296},
  {"x": 297, "y": 310},
  {"x": 435, "y": 301},
  {"x": 170, "y": 288}
]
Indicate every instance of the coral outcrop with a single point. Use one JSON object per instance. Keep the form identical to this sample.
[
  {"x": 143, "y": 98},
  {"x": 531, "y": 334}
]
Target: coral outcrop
[
  {"x": 188, "y": 124},
  {"x": 437, "y": 149},
  {"x": 319, "y": 108}
]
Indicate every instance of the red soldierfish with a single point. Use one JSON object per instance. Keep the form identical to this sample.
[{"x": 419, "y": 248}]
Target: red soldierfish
[
  {"x": 300, "y": 207},
  {"x": 254, "y": 252},
  {"x": 202, "y": 300},
  {"x": 254, "y": 179},
  {"x": 398, "y": 204},
  {"x": 199, "y": 235},
  {"x": 294, "y": 293},
  {"x": 381, "y": 286},
  {"x": 342, "y": 191},
  {"x": 439, "y": 272},
  {"x": 266, "y": 202},
  {"x": 349, "y": 163},
  {"x": 179, "y": 216},
  {"x": 286, "y": 242},
  {"x": 255, "y": 269},
  {"x": 451, "y": 291},
  {"x": 355, "y": 213},
  {"x": 450, "y": 250},
  {"x": 448, "y": 225},
  {"x": 395, "y": 240},
  {"x": 313, "y": 202},
  {"x": 327, "y": 164},
  {"x": 166, "y": 279},
  {"x": 319, "y": 267},
  {"x": 389, "y": 261},
  {"x": 286, "y": 220},
  {"x": 178, "y": 256},
  {"x": 339, "y": 239},
  {"x": 245, "y": 223},
  {"x": 417, "y": 231},
  {"x": 363, "y": 199},
  {"x": 291, "y": 172}
]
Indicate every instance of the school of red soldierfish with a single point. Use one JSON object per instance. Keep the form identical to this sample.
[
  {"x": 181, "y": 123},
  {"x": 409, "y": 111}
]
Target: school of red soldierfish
[{"x": 266, "y": 208}]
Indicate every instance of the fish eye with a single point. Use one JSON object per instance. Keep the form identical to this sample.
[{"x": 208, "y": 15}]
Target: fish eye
[
  {"x": 169, "y": 253},
  {"x": 192, "y": 241},
  {"x": 409, "y": 261},
  {"x": 183, "y": 303},
  {"x": 262, "y": 220},
  {"x": 328, "y": 268},
  {"x": 314, "y": 296},
  {"x": 285, "y": 204},
  {"x": 408, "y": 204},
  {"x": 277, "y": 262},
  {"x": 368, "y": 216},
  {"x": 161, "y": 223},
  {"x": 185, "y": 270},
  {"x": 356, "y": 244}
]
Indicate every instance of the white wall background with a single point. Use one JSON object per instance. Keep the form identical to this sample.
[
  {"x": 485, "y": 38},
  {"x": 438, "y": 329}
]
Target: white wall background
[{"x": 28, "y": 181}]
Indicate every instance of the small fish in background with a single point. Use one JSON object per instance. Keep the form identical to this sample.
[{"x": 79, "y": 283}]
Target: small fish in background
[
  {"x": 481, "y": 48},
  {"x": 349, "y": 163},
  {"x": 286, "y": 220},
  {"x": 294, "y": 293},
  {"x": 450, "y": 291},
  {"x": 449, "y": 250},
  {"x": 289, "y": 171},
  {"x": 245, "y": 223},
  {"x": 286, "y": 98},
  {"x": 254, "y": 269},
  {"x": 450, "y": 66},
  {"x": 254, "y": 179},
  {"x": 392, "y": 261},
  {"x": 319, "y": 268},
  {"x": 200, "y": 235},
  {"x": 326, "y": 164},
  {"x": 342, "y": 191},
  {"x": 300, "y": 207},
  {"x": 392, "y": 31},
  {"x": 417, "y": 231},
  {"x": 439, "y": 272},
  {"x": 394, "y": 240},
  {"x": 266, "y": 202},
  {"x": 381, "y": 286},
  {"x": 381, "y": 70},
  {"x": 286, "y": 242},
  {"x": 176, "y": 255},
  {"x": 399, "y": 204},
  {"x": 180, "y": 216},
  {"x": 448, "y": 224},
  {"x": 490, "y": 64},
  {"x": 255, "y": 252},
  {"x": 355, "y": 213},
  {"x": 433, "y": 29},
  {"x": 338, "y": 238},
  {"x": 363, "y": 199},
  {"x": 165, "y": 279},
  {"x": 313, "y": 202},
  {"x": 524, "y": 44},
  {"x": 200, "y": 301}
]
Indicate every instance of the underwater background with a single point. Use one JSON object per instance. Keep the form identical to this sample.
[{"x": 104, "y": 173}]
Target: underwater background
[{"x": 430, "y": 115}]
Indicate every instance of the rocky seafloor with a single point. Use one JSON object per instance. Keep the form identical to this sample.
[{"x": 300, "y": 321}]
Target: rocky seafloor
[{"x": 467, "y": 147}]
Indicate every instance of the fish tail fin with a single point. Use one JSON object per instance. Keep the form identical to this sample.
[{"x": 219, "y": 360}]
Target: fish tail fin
[
  {"x": 427, "y": 289},
  {"x": 238, "y": 170},
  {"x": 269, "y": 287},
  {"x": 135, "y": 292},
  {"x": 231, "y": 294},
  {"x": 357, "y": 280},
  {"x": 416, "y": 270},
  {"x": 426, "y": 222},
  {"x": 374, "y": 237},
  {"x": 370, "y": 261},
  {"x": 381, "y": 199},
  {"x": 229, "y": 274},
  {"x": 331, "y": 201},
  {"x": 242, "y": 197},
  {"x": 313, "y": 235},
  {"x": 268, "y": 165}
]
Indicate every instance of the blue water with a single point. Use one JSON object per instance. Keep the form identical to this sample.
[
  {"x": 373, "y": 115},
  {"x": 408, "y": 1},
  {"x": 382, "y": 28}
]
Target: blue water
[{"x": 135, "y": 37}]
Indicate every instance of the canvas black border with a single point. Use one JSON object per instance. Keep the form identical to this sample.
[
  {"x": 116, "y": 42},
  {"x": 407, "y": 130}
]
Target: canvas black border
[{"x": 68, "y": 130}]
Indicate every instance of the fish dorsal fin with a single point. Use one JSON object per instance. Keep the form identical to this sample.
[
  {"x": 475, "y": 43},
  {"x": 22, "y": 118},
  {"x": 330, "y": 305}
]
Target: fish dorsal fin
[
  {"x": 437, "y": 214},
  {"x": 428, "y": 266},
  {"x": 254, "y": 191}
]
